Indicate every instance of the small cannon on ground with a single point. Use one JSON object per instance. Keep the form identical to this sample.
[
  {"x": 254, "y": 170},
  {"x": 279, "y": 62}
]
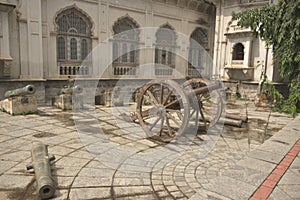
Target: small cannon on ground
[
  {"x": 41, "y": 166},
  {"x": 27, "y": 90},
  {"x": 69, "y": 97},
  {"x": 20, "y": 101}
]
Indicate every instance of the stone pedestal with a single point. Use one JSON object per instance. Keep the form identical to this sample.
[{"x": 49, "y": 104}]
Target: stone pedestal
[
  {"x": 65, "y": 101},
  {"x": 20, "y": 105}
]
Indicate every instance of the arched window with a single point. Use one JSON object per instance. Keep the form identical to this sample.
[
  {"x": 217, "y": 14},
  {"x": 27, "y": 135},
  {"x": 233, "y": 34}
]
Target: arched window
[
  {"x": 84, "y": 49},
  {"x": 126, "y": 38},
  {"x": 197, "y": 48},
  {"x": 165, "y": 46},
  {"x": 61, "y": 48},
  {"x": 238, "y": 52},
  {"x": 74, "y": 40},
  {"x": 132, "y": 53},
  {"x": 73, "y": 47}
]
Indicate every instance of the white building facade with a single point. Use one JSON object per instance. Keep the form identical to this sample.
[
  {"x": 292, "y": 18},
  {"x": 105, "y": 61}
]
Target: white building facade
[
  {"x": 240, "y": 57},
  {"x": 44, "y": 42}
]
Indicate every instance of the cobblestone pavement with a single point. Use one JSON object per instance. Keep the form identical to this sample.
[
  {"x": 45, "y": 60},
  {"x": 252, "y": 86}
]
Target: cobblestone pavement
[{"x": 91, "y": 168}]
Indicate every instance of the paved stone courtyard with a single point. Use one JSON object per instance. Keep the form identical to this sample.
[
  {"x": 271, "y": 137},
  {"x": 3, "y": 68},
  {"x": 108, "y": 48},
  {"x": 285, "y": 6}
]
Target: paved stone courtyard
[{"x": 98, "y": 167}]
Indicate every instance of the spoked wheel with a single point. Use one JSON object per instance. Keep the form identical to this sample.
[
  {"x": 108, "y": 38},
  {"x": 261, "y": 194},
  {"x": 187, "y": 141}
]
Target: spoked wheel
[
  {"x": 210, "y": 103},
  {"x": 163, "y": 110}
]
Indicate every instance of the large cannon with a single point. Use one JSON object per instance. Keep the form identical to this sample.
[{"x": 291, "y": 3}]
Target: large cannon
[
  {"x": 41, "y": 166},
  {"x": 27, "y": 90},
  {"x": 20, "y": 101},
  {"x": 165, "y": 108}
]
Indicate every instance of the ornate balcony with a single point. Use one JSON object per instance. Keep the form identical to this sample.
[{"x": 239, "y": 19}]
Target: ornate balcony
[
  {"x": 163, "y": 71},
  {"x": 124, "y": 70},
  {"x": 73, "y": 69}
]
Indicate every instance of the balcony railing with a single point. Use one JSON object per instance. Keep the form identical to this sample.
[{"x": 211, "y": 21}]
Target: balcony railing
[
  {"x": 73, "y": 69},
  {"x": 124, "y": 70},
  {"x": 194, "y": 72},
  {"x": 162, "y": 71}
]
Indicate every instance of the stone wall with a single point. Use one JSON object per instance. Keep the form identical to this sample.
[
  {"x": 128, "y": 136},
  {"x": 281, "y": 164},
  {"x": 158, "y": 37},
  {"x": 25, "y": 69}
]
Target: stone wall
[{"x": 248, "y": 90}]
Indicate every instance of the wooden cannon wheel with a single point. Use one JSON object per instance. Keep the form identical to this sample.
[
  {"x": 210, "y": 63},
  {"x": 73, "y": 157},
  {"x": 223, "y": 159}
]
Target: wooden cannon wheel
[
  {"x": 210, "y": 103},
  {"x": 163, "y": 110}
]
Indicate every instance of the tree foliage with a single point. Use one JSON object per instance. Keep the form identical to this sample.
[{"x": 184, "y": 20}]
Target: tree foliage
[{"x": 279, "y": 25}]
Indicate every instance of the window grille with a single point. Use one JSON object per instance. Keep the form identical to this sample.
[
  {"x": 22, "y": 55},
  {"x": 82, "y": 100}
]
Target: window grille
[
  {"x": 84, "y": 49},
  {"x": 198, "y": 45},
  {"x": 124, "y": 46},
  {"x": 73, "y": 46},
  {"x": 61, "y": 48},
  {"x": 74, "y": 40},
  {"x": 165, "y": 46}
]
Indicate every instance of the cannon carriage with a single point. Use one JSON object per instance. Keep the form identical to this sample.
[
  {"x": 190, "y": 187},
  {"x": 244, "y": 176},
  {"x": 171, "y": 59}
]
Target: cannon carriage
[{"x": 165, "y": 109}]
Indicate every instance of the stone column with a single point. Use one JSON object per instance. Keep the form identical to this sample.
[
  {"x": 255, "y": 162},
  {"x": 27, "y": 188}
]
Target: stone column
[
  {"x": 247, "y": 53},
  {"x": 148, "y": 51},
  {"x": 31, "y": 43}
]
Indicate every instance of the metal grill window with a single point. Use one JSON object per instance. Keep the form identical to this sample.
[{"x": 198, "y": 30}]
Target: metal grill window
[
  {"x": 61, "y": 48},
  {"x": 73, "y": 36},
  {"x": 198, "y": 44},
  {"x": 84, "y": 49},
  {"x": 73, "y": 46},
  {"x": 126, "y": 41},
  {"x": 165, "y": 43}
]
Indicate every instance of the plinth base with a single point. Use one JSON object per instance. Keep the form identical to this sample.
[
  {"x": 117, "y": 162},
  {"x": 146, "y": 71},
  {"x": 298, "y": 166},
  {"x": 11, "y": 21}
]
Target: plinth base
[
  {"x": 65, "y": 102},
  {"x": 20, "y": 105}
]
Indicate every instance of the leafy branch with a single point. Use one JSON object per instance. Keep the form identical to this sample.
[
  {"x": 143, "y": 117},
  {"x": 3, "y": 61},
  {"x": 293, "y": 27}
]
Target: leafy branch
[{"x": 279, "y": 26}]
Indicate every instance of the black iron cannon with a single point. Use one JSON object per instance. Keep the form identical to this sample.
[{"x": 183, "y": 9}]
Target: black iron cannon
[{"x": 27, "y": 90}]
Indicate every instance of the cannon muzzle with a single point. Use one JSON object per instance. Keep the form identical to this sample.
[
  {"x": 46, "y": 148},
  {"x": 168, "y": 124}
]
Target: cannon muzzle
[
  {"x": 41, "y": 166},
  {"x": 29, "y": 89},
  {"x": 77, "y": 89}
]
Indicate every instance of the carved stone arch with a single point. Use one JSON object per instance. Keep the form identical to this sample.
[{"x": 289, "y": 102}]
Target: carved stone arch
[
  {"x": 85, "y": 15},
  {"x": 200, "y": 36},
  {"x": 166, "y": 34},
  {"x": 167, "y": 25},
  {"x": 126, "y": 20}
]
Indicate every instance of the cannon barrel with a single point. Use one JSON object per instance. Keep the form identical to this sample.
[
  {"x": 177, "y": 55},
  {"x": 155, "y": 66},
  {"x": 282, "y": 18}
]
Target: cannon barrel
[
  {"x": 70, "y": 90},
  {"x": 77, "y": 89},
  {"x": 29, "y": 89},
  {"x": 41, "y": 166}
]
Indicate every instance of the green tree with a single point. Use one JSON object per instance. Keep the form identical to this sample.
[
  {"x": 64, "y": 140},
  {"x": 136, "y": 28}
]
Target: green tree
[{"x": 279, "y": 26}]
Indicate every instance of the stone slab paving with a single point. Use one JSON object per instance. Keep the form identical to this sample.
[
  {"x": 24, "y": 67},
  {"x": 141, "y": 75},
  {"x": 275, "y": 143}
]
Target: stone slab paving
[{"x": 117, "y": 164}]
